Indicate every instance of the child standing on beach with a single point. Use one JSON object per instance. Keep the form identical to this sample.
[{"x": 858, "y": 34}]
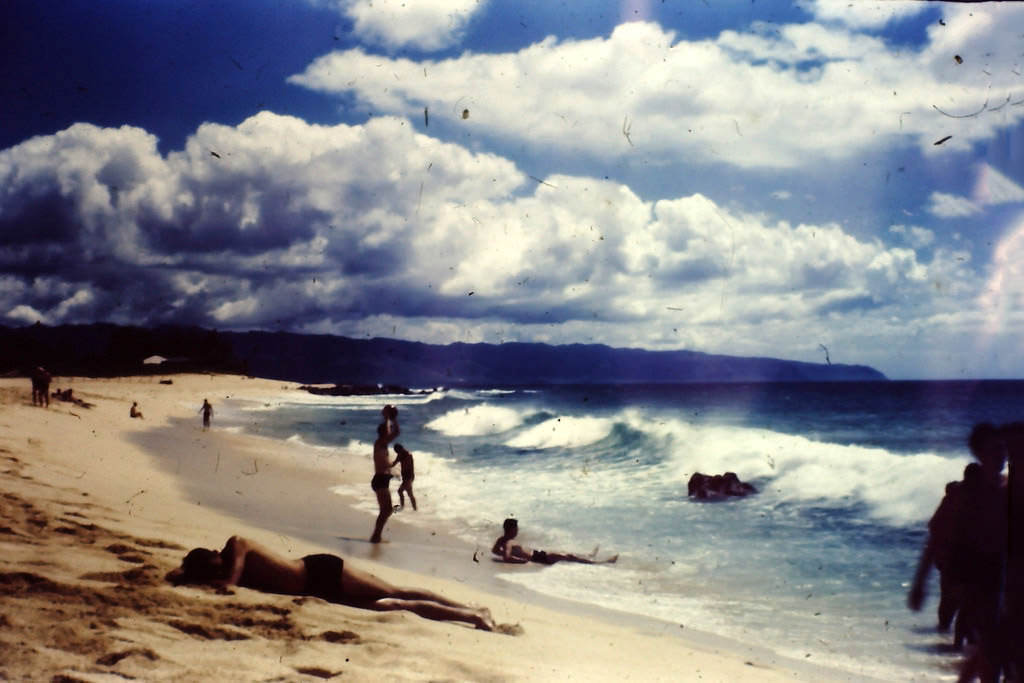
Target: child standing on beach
[{"x": 405, "y": 457}]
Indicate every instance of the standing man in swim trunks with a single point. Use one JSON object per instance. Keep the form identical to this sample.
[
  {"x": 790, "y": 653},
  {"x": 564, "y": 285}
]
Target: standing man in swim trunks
[{"x": 387, "y": 431}]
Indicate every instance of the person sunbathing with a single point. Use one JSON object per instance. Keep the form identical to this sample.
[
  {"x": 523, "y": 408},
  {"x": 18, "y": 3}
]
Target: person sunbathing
[
  {"x": 246, "y": 563},
  {"x": 517, "y": 554}
]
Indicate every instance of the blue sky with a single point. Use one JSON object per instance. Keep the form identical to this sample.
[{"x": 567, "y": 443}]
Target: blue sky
[{"x": 753, "y": 178}]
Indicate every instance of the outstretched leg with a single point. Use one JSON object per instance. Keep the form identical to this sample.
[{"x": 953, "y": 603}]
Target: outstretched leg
[
  {"x": 480, "y": 617},
  {"x": 570, "y": 557},
  {"x": 360, "y": 586},
  {"x": 407, "y": 487},
  {"x": 384, "y": 501}
]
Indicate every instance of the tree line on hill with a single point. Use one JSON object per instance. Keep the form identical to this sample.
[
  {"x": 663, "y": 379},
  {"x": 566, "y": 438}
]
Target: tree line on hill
[{"x": 104, "y": 349}]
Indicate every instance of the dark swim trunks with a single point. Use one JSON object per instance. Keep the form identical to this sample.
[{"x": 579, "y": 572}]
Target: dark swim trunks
[
  {"x": 541, "y": 557},
  {"x": 323, "y": 576},
  {"x": 380, "y": 481}
]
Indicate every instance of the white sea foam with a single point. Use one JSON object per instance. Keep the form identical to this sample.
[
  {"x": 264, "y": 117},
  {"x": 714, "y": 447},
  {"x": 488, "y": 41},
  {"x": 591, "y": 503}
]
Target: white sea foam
[
  {"x": 563, "y": 432},
  {"x": 478, "y": 420},
  {"x": 899, "y": 489},
  {"x": 305, "y": 399}
]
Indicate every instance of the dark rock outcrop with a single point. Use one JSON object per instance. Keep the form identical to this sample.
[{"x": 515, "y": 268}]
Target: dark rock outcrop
[{"x": 718, "y": 486}]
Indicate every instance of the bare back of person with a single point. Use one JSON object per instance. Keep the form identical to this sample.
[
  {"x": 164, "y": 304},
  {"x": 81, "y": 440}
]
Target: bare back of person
[{"x": 246, "y": 563}]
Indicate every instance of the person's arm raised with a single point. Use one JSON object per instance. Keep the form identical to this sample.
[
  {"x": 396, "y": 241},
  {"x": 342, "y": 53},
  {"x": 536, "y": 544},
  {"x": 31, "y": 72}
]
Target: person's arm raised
[{"x": 233, "y": 556}]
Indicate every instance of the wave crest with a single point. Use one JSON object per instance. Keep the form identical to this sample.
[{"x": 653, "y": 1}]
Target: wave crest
[
  {"x": 480, "y": 420},
  {"x": 563, "y": 432}
]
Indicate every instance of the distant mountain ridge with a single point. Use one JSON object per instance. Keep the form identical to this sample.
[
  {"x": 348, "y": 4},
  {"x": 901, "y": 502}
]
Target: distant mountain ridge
[{"x": 105, "y": 349}]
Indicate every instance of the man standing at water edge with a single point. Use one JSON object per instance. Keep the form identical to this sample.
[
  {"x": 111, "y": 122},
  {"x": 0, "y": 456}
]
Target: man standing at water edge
[
  {"x": 387, "y": 431},
  {"x": 207, "y": 410}
]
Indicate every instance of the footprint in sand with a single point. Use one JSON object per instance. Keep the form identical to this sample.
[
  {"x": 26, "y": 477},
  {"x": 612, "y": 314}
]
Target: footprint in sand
[
  {"x": 114, "y": 657},
  {"x": 205, "y": 632},
  {"x": 509, "y": 629},
  {"x": 317, "y": 672},
  {"x": 127, "y": 553}
]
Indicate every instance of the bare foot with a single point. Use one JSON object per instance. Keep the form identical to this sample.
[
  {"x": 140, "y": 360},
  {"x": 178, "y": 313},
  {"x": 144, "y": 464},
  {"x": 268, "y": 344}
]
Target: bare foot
[{"x": 484, "y": 619}]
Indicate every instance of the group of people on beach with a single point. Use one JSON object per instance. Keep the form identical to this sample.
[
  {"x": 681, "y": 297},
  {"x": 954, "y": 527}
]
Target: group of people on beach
[
  {"x": 247, "y": 563},
  {"x": 387, "y": 431},
  {"x": 244, "y": 562},
  {"x": 976, "y": 541}
]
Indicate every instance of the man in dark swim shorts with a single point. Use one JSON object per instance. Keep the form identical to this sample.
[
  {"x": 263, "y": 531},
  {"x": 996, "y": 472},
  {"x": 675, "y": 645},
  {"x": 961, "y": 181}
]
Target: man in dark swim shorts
[
  {"x": 248, "y": 564},
  {"x": 387, "y": 431},
  {"x": 322, "y": 572},
  {"x": 541, "y": 557}
]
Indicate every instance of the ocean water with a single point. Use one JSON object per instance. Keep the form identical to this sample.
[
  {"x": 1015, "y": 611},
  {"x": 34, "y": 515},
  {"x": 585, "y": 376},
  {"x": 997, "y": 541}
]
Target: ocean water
[{"x": 815, "y": 566}]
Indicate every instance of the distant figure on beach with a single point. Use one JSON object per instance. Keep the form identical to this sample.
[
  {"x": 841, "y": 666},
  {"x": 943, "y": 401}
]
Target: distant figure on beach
[
  {"x": 135, "y": 412},
  {"x": 387, "y": 431},
  {"x": 207, "y": 410},
  {"x": 40, "y": 386},
  {"x": 408, "y": 474},
  {"x": 517, "y": 554},
  {"x": 248, "y": 564}
]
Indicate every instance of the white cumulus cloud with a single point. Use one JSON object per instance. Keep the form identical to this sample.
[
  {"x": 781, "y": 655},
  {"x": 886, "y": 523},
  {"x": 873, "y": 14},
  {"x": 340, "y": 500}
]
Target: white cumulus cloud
[
  {"x": 393, "y": 24},
  {"x": 768, "y": 97}
]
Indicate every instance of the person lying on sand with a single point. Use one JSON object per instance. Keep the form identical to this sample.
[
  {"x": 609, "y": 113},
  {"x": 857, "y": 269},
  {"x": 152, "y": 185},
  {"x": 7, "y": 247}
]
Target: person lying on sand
[
  {"x": 515, "y": 553},
  {"x": 248, "y": 564}
]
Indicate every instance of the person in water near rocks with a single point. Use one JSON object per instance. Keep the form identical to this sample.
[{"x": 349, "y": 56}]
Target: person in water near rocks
[
  {"x": 246, "y": 563},
  {"x": 515, "y": 553}
]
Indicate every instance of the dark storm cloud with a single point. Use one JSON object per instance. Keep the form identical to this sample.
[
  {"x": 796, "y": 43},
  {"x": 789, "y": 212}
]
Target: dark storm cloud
[
  {"x": 286, "y": 221},
  {"x": 44, "y": 218}
]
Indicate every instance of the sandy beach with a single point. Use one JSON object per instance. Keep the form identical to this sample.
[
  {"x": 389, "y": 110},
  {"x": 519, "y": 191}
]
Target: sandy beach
[{"x": 97, "y": 507}]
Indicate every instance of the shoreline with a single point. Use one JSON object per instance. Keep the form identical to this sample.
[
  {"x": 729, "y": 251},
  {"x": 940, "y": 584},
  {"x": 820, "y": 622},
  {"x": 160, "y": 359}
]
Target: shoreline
[
  {"x": 405, "y": 549},
  {"x": 164, "y": 479}
]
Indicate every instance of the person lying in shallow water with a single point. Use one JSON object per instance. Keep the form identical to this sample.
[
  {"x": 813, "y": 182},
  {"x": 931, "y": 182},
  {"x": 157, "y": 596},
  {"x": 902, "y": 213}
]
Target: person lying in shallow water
[
  {"x": 510, "y": 552},
  {"x": 246, "y": 563}
]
